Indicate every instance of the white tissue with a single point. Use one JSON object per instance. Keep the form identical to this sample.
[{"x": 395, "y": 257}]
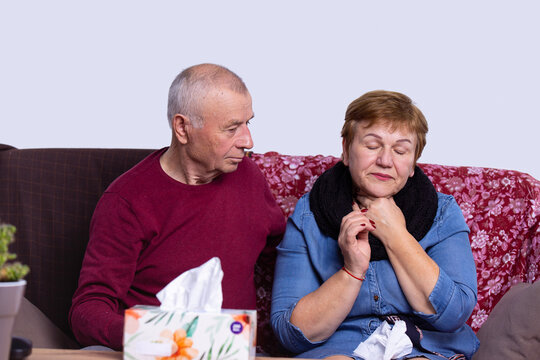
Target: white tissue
[
  {"x": 198, "y": 289},
  {"x": 386, "y": 343}
]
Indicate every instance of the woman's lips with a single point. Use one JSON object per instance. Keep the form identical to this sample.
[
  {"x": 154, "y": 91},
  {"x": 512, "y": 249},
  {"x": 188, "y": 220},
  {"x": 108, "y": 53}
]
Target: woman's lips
[{"x": 382, "y": 177}]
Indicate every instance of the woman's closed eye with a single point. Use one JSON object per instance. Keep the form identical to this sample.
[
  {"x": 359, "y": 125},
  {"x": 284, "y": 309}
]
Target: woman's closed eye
[
  {"x": 373, "y": 146},
  {"x": 402, "y": 150}
]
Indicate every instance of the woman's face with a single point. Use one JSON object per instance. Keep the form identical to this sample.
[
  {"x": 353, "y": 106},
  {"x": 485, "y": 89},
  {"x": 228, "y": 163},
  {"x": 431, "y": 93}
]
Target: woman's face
[{"x": 380, "y": 160}]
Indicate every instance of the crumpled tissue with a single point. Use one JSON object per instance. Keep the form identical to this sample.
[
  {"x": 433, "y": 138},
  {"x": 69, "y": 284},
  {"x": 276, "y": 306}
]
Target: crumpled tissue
[
  {"x": 198, "y": 289},
  {"x": 386, "y": 343}
]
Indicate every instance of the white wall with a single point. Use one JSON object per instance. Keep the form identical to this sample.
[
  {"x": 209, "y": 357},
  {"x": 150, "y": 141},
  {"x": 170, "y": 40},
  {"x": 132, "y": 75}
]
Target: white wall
[{"x": 96, "y": 73}]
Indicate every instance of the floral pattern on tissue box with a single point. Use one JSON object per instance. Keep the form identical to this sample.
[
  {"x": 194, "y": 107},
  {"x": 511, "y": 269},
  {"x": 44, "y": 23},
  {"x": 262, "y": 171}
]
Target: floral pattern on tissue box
[{"x": 154, "y": 334}]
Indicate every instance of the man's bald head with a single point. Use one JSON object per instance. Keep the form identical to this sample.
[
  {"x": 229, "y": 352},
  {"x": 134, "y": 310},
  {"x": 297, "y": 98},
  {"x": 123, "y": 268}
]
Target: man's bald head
[{"x": 190, "y": 88}]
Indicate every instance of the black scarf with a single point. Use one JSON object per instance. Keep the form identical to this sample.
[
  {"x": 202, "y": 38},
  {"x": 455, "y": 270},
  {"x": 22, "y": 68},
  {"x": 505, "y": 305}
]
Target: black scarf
[{"x": 332, "y": 195}]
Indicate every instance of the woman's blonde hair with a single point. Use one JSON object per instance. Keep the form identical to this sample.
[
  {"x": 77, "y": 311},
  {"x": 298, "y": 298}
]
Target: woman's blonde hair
[{"x": 381, "y": 106}]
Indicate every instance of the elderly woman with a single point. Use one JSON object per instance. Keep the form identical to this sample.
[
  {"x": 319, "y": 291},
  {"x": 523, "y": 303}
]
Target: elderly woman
[{"x": 372, "y": 242}]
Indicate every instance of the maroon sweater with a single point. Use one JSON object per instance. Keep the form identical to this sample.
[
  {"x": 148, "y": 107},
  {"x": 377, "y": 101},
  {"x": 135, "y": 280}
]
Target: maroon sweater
[{"x": 148, "y": 228}]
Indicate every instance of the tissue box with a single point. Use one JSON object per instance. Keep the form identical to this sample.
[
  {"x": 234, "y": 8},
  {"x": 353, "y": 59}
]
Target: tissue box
[{"x": 154, "y": 334}]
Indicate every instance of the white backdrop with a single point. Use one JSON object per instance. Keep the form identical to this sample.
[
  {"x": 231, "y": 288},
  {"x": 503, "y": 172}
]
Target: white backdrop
[{"x": 96, "y": 73}]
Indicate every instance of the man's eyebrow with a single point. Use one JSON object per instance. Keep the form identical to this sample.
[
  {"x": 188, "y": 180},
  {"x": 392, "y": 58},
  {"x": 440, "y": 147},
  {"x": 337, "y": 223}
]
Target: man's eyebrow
[{"x": 238, "y": 122}]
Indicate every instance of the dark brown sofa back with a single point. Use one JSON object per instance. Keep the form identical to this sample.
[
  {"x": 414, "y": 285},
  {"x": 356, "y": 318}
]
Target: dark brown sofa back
[{"x": 50, "y": 196}]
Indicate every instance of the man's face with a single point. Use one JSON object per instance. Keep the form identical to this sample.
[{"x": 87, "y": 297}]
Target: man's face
[{"x": 218, "y": 146}]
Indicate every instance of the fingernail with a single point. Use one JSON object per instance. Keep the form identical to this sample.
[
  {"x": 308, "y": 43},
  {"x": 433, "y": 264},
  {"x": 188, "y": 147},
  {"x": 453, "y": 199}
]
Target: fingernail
[
  {"x": 362, "y": 224},
  {"x": 372, "y": 222},
  {"x": 364, "y": 210}
]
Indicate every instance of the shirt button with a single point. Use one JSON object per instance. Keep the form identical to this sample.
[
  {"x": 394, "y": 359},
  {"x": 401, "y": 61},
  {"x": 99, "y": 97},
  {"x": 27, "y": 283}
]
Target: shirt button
[{"x": 376, "y": 297}]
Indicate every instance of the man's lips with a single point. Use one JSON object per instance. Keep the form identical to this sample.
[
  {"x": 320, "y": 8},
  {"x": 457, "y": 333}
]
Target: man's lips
[{"x": 382, "y": 177}]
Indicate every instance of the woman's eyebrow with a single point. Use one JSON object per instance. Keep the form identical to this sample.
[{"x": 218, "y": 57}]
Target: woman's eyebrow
[
  {"x": 379, "y": 137},
  {"x": 372, "y": 134}
]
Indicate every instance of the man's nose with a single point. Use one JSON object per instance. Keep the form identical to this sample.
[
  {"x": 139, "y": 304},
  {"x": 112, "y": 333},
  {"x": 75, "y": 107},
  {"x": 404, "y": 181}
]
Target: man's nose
[{"x": 245, "y": 141}]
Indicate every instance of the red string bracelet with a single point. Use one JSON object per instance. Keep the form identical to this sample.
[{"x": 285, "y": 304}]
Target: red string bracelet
[{"x": 361, "y": 277}]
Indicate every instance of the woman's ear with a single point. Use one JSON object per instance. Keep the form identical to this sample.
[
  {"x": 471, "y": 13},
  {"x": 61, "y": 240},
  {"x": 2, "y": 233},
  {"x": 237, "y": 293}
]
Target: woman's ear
[
  {"x": 179, "y": 127},
  {"x": 345, "y": 153}
]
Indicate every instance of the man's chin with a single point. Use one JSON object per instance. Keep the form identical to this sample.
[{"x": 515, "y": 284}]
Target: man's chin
[{"x": 230, "y": 167}]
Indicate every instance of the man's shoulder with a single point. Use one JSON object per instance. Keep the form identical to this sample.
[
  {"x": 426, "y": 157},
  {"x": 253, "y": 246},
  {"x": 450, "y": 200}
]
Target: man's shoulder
[
  {"x": 138, "y": 175},
  {"x": 249, "y": 168}
]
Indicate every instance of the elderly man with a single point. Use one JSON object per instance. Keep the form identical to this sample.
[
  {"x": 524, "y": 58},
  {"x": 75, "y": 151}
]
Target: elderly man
[{"x": 179, "y": 207}]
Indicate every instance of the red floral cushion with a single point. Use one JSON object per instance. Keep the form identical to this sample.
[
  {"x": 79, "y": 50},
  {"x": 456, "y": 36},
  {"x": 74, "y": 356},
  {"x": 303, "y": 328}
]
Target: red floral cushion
[{"x": 501, "y": 207}]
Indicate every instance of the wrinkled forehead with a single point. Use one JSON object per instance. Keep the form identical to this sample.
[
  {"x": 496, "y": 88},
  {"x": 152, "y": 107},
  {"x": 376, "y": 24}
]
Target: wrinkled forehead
[{"x": 226, "y": 105}]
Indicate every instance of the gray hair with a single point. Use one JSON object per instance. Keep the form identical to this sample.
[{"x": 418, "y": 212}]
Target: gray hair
[{"x": 193, "y": 83}]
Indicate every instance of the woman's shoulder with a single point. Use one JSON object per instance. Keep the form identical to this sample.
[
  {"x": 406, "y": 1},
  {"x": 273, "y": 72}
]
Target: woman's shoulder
[
  {"x": 302, "y": 207},
  {"x": 446, "y": 203},
  {"x": 449, "y": 215},
  {"x": 302, "y": 215}
]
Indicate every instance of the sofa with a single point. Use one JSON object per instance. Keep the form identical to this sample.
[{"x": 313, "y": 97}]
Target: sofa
[{"x": 50, "y": 194}]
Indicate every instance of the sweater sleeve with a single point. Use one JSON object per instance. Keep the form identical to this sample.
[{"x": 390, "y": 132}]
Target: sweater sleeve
[
  {"x": 276, "y": 219},
  {"x": 96, "y": 315},
  {"x": 455, "y": 293}
]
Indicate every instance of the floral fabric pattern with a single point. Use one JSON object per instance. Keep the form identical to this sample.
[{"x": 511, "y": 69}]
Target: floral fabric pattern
[{"x": 501, "y": 207}]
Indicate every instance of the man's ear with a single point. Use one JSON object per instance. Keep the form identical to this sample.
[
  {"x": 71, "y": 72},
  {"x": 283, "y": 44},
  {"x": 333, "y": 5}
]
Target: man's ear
[
  {"x": 179, "y": 127},
  {"x": 345, "y": 153}
]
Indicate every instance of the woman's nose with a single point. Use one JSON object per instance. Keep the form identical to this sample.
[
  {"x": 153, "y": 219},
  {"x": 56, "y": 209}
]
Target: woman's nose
[{"x": 384, "y": 158}]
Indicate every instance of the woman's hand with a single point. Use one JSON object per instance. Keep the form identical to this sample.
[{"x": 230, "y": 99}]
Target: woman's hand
[
  {"x": 321, "y": 312},
  {"x": 353, "y": 240},
  {"x": 416, "y": 272},
  {"x": 387, "y": 216}
]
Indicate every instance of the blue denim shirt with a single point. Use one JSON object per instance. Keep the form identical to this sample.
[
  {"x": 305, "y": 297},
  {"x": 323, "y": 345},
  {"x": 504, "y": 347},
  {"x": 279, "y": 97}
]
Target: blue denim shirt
[{"x": 307, "y": 258}]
